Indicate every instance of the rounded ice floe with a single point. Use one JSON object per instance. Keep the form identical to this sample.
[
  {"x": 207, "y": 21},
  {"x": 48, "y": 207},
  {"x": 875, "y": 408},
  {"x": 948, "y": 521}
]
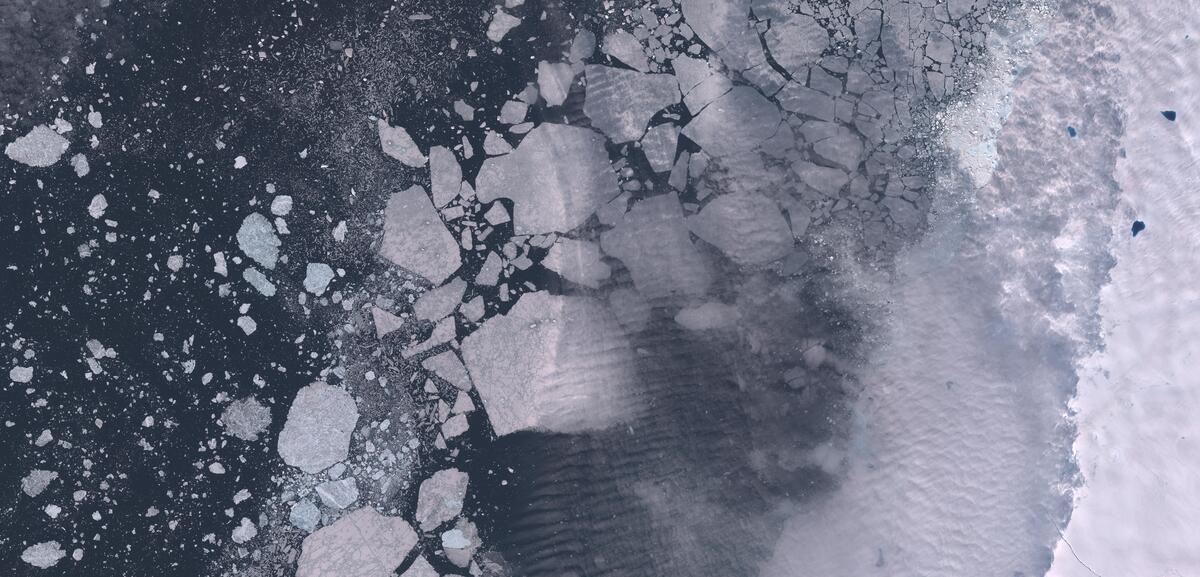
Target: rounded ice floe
[
  {"x": 246, "y": 419},
  {"x": 361, "y": 544},
  {"x": 316, "y": 278},
  {"x": 20, "y": 374},
  {"x": 305, "y": 516},
  {"x": 40, "y": 148},
  {"x": 317, "y": 431},
  {"x": 556, "y": 178},
  {"x": 747, "y": 227}
]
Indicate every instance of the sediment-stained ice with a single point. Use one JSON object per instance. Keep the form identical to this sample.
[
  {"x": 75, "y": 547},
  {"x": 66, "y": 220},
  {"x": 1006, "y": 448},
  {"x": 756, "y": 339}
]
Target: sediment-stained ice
[
  {"x": 554, "y": 363},
  {"x": 415, "y": 238},
  {"x": 361, "y": 544},
  {"x": 39, "y": 148},
  {"x": 317, "y": 431},
  {"x": 621, "y": 102},
  {"x": 556, "y": 178}
]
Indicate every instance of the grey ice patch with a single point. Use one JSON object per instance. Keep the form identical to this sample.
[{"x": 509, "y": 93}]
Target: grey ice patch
[
  {"x": 621, "y": 102},
  {"x": 256, "y": 237},
  {"x": 440, "y": 498},
  {"x": 553, "y": 363},
  {"x": 43, "y": 555},
  {"x": 246, "y": 419},
  {"x": 40, "y": 148},
  {"x": 360, "y": 544},
  {"x": 747, "y": 227},
  {"x": 399, "y": 145},
  {"x": 305, "y": 516},
  {"x": 735, "y": 122},
  {"x": 501, "y": 24},
  {"x": 415, "y": 238},
  {"x": 36, "y": 481},
  {"x": 578, "y": 261},
  {"x": 317, "y": 431},
  {"x": 556, "y": 178},
  {"x": 316, "y": 277},
  {"x": 338, "y": 494},
  {"x": 259, "y": 281},
  {"x": 20, "y": 374}
]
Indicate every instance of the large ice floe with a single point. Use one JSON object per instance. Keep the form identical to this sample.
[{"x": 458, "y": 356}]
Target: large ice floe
[
  {"x": 414, "y": 237},
  {"x": 317, "y": 431}
]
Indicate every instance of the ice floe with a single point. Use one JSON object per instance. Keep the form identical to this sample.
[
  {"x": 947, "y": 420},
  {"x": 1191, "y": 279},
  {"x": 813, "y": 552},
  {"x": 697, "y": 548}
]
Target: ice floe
[
  {"x": 440, "y": 498},
  {"x": 317, "y": 431},
  {"x": 363, "y": 543},
  {"x": 40, "y": 148},
  {"x": 746, "y": 226},
  {"x": 399, "y": 145},
  {"x": 256, "y": 237},
  {"x": 415, "y": 238}
]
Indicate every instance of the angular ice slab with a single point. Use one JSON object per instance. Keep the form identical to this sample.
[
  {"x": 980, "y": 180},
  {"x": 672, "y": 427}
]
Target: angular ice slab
[{"x": 415, "y": 238}]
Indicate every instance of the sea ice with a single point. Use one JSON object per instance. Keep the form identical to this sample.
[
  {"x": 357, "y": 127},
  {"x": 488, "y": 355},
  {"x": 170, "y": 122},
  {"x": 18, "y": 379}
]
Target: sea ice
[
  {"x": 399, "y": 145},
  {"x": 317, "y": 431},
  {"x": 625, "y": 47},
  {"x": 259, "y": 281},
  {"x": 316, "y": 277},
  {"x": 501, "y": 24},
  {"x": 556, "y": 178},
  {"x": 578, "y": 261},
  {"x": 445, "y": 175},
  {"x": 41, "y": 147},
  {"x": 305, "y": 516},
  {"x": 654, "y": 244},
  {"x": 735, "y": 122},
  {"x": 440, "y": 302},
  {"x": 360, "y": 544},
  {"x": 746, "y": 226},
  {"x": 43, "y": 555},
  {"x": 415, "y": 238},
  {"x": 246, "y": 419},
  {"x": 554, "y": 81},
  {"x": 256, "y": 237},
  {"x": 338, "y": 494},
  {"x": 621, "y": 102},
  {"x": 440, "y": 498},
  {"x": 36, "y": 481},
  {"x": 20, "y": 374}
]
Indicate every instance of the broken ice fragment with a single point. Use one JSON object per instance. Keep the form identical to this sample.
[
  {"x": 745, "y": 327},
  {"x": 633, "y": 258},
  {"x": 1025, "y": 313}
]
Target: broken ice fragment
[
  {"x": 621, "y": 102},
  {"x": 316, "y": 277},
  {"x": 305, "y": 516},
  {"x": 247, "y": 325},
  {"x": 256, "y": 237},
  {"x": 578, "y": 261},
  {"x": 360, "y": 544},
  {"x": 447, "y": 366},
  {"x": 501, "y": 24},
  {"x": 553, "y": 362},
  {"x": 556, "y": 178},
  {"x": 80, "y": 163},
  {"x": 421, "y": 568},
  {"x": 440, "y": 498},
  {"x": 654, "y": 244},
  {"x": 399, "y": 145},
  {"x": 445, "y": 175},
  {"x": 20, "y": 374},
  {"x": 40, "y": 148},
  {"x": 338, "y": 494},
  {"x": 385, "y": 322},
  {"x": 36, "y": 481},
  {"x": 259, "y": 281},
  {"x": 97, "y": 206},
  {"x": 554, "y": 81},
  {"x": 244, "y": 532},
  {"x": 415, "y": 238},
  {"x": 43, "y": 555},
  {"x": 175, "y": 262},
  {"x": 625, "y": 47},
  {"x": 440, "y": 302},
  {"x": 317, "y": 431},
  {"x": 659, "y": 145},
  {"x": 246, "y": 419},
  {"x": 746, "y": 226}
]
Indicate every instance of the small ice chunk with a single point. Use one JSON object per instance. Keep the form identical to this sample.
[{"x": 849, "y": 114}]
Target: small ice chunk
[
  {"x": 746, "y": 226},
  {"x": 259, "y": 281},
  {"x": 554, "y": 81},
  {"x": 317, "y": 431},
  {"x": 659, "y": 145},
  {"x": 246, "y": 419},
  {"x": 43, "y": 555},
  {"x": 497, "y": 215},
  {"x": 440, "y": 302},
  {"x": 440, "y": 498},
  {"x": 80, "y": 163},
  {"x": 463, "y": 403},
  {"x": 582, "y": 46},
  {"x": 338, "y": 494},
  {"x": 556, "y": 178},
  {"x": 219, "y": 265},
  {"x": 625, "y": 47},
  {"x": 360, "y": 544},
  {"x": 247, "y": 324},
  {"x": 399, "y": 145},
  {"x": 95, "y": 119},
  {"x": 40, "y": 148},
  {"x": 305, "y": 516},
  {"x": 281, "y": 205},
  {"x": 578, "y": 261},
  {"x": 239, "y": 162},
  {"x": 454, "y": 426},
  {"x": 385, "y": 322},
  {"x": 175, "y": 262},
  {"x": 447, "y": 366},
  {"x": 501, "y": 24},
  {"x": 621, "y": 102},
  {"x": 97, "y": 206},
  {"x": 445, "y": 175},
  {"x": 20, "y": 374},
  {"x": 244, "y": 532},
  {"x": 44, "y": 439},
  {"x": 415, "y": 238},
  {"x": 473, "y": 309},
  {"x": 256, "y": 237},
  {"x": 317, "y": 277},
  {"x": 708, "y": 316},
  {"x": 513, "y": 112},
  {"x": 36, "y": 481}
]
